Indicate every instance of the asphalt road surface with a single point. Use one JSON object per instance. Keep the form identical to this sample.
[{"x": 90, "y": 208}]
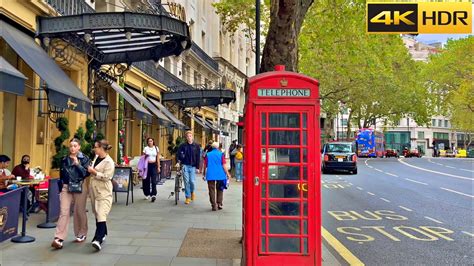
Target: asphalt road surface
[{"x": 408, "y": 211}]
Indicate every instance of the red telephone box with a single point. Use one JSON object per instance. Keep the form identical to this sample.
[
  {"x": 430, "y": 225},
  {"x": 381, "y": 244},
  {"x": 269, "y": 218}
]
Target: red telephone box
[{"x": 281, "y": 195}]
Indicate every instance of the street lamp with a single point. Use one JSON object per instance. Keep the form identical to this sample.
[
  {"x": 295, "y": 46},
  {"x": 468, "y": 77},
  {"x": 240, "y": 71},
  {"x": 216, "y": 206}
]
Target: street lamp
[
  {"x": 170, "y": 130},
  {"x": 101, "y": 110}
]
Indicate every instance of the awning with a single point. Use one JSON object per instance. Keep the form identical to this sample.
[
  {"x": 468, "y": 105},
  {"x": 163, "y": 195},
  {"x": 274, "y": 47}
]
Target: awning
[
  {"x": 170, "y": 115},
  {"x": 140, "y": 111},
  {"x": 161, "y": 117},
  {"x": 61, "y": 91},
  {"x": 11, "y": 80},
  {"x": 198, "y": 120},
  {"x": 212, "y": 126}
]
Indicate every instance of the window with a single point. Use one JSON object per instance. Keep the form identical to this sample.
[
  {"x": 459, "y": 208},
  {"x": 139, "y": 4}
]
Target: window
[
  {"x": 440, "y": 123},
  {"x": 167, "y": 64},
  {"x": 421, "y": 134},
  {"x": 440, "y": 135},
  {"x": 344, "y": 122},
  {"x": 445, "y": 123},
  {"x": 433, "y": 122},
  {"x": 203, "y": 40}
]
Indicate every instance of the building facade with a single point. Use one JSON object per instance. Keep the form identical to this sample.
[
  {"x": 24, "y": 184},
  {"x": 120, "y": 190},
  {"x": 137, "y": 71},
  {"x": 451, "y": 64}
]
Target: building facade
[{"x": 135, "y": 90}]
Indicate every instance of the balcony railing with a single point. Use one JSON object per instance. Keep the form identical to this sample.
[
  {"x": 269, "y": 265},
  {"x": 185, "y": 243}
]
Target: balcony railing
[
  {"x": 70, "y": 7},
  {"x": 161, "y": 75},
  {"x": 204, "y": 56}
]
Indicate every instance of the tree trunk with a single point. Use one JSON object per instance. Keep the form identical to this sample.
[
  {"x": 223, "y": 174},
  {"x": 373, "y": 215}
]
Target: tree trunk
[
  {"x": 349, "y": 128},
  {"x": 281, "y": 44}
]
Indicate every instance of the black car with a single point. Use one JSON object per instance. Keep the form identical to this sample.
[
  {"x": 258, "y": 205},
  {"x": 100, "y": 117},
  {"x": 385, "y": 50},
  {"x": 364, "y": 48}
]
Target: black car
[{"x": 339, "y": 156}]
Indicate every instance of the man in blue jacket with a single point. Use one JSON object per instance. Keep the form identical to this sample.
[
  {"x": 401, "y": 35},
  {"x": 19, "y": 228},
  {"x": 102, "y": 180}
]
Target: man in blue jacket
[{"x": 189, "y": 156}]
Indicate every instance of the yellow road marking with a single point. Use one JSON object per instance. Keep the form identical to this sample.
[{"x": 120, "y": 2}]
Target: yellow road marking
[
  {"x": 414, "y": 181},
  {"x": 457, "y": 192},
  {"x": 370, "y": 193},
  {"x": 434, "y": 220},
  {"x": 469, "y": 234},
  {"x": 345, "y": 253},
  {"x": 386, "y": 200},
  {"x": 436, "y": 172},
  {"x": 405, "y": 208}
]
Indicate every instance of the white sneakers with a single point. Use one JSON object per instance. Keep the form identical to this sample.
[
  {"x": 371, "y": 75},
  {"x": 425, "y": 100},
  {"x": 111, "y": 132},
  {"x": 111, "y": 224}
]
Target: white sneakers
[
  {"x": 80, "y": 239},
  {"x": 96, "y": 245},
  {"x": 147, "y": 197}
]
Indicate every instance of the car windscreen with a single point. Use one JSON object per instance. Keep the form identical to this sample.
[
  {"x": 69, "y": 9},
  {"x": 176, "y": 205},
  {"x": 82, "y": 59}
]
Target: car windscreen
[{"x": 339, "y": 147}]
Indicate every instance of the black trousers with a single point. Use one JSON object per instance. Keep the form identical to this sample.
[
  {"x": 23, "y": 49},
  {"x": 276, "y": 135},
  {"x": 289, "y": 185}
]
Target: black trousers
[
  {"x": 100, "y": 231},
  {"x": 149, "y": 183}
]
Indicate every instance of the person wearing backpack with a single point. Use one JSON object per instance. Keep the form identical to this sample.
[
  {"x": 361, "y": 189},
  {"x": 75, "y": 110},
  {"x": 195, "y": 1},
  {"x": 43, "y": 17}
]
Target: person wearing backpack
[{"x": 239, "y": 160}]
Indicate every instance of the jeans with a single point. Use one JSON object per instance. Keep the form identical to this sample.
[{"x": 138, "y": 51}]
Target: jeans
[
  {"x": 189, "y": 176},
  {"x": 238, "y": 171}
]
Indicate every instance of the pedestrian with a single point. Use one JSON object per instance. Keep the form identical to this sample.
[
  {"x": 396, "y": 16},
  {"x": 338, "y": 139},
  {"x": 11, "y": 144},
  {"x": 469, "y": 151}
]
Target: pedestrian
[
  {"x": 73, "y": 190},
  {"x": 189, "y": 155},
  {"x": 152, "y": 154},
  {"x": 216, "y": 174},
  {"x": 102, "y": 171},
  {"x": 5, "y": 174},
  {"x": 23, "y": 170},
  {"x": 232, "y": 157},
  {"x": 239, "y": 160}
]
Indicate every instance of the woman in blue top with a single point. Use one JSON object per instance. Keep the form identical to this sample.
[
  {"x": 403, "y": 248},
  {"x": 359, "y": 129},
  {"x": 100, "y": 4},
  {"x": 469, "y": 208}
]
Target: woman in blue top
[{"x": 216, "y": 174}]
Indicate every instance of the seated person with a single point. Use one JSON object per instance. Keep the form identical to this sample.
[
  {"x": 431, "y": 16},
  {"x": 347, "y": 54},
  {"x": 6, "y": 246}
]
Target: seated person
[
  {"x": 5, "y": 174},
  {"x": 22, "y": 169}
]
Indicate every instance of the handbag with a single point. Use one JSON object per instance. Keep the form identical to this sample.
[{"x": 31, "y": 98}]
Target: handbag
[{"x": 74, "y": 186}]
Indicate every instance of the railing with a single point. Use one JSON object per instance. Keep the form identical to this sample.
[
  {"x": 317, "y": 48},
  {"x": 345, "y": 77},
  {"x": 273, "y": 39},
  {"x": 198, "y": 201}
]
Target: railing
[
  {"x": 165, "y": 77},
  {"x": 204, "y": 57},
  {"x": 70, "y": 7},
  {"x": 161, "y": 75}
]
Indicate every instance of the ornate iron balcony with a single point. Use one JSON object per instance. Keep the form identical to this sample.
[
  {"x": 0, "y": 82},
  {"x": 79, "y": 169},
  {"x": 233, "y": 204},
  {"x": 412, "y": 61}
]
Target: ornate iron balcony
[{"x": 70, "y": 7}]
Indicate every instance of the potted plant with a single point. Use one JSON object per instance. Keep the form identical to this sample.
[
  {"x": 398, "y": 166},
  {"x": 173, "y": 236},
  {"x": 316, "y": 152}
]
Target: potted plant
[{"x": 61, "y": 150}]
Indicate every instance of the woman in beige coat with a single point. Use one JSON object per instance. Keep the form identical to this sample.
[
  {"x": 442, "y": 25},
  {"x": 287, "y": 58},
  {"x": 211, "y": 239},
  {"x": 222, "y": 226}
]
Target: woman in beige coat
[{"x": 100, "y": 189}]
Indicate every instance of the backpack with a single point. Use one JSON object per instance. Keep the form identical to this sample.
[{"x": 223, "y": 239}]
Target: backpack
[{"x": 239, "y": 155}]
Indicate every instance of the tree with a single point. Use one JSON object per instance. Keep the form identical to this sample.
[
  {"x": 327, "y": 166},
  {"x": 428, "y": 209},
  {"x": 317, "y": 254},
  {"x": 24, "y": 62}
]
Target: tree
[
  {"x": 285, "y": 21},
  {"x": 373, "y": 75}
]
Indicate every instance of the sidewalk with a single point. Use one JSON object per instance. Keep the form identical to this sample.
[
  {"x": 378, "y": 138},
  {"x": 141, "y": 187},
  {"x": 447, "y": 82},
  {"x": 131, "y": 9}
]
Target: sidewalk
[{"x": 142, "y": 233}]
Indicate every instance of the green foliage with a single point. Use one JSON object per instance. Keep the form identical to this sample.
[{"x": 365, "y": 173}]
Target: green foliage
[
  {"x": 61, "y": 150},
  {"x": 449, "y": 76},
  {"x": 373, "y": 75},
  {"x": 173, "y": 147},
  {"x": 240, "y": 14},
  {"x": 86, "y": 138}
]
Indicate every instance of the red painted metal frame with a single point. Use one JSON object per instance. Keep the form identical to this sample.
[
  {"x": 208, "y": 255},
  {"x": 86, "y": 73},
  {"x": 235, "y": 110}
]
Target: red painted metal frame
[{"x": 251, "y": 212}]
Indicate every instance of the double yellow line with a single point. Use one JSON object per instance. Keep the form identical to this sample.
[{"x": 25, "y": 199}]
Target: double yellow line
[{"x": 345, "y": 253}]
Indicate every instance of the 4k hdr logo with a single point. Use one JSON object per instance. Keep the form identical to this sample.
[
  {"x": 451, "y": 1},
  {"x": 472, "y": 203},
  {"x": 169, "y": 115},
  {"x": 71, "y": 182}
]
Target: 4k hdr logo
[{"x": 417, "y": 18}]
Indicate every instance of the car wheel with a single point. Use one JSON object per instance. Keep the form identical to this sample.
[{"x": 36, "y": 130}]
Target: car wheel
[
  {"x": 354, "y": 172},
  {"x": 325, "y": 171}
]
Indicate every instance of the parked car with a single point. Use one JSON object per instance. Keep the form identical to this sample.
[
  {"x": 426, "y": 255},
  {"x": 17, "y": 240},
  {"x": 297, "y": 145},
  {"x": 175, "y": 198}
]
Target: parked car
[
  {"x": 339, "y": 156},
  {"x": 391, "y": 153},
  {"x": 411, "y": 153}
]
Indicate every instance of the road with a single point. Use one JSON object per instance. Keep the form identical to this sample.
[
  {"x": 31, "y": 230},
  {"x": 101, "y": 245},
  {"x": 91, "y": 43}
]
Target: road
[{"x": 408, "y": 211}]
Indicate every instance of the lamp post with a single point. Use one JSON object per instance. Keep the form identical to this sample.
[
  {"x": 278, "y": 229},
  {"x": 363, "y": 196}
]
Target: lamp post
[
  {"x": 101, "y": 110},
  {"x": 257, "y": 36}
]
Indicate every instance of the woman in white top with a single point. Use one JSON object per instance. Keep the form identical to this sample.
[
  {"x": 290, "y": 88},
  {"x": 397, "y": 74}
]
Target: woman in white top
[{"x": 152, "y": 154}]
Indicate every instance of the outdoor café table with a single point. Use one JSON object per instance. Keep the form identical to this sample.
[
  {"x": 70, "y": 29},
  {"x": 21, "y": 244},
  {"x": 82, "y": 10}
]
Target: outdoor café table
[{"x": 30, "y": 183}]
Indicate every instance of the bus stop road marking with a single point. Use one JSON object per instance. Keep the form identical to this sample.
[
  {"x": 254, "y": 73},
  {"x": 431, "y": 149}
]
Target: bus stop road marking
[
  {"x": 345, "y": 253},
  {"x": 467, "y": 233},
  {"x": 434, "y": 220},
  {"x": 405, "y": 208},
  {"x": 414, "y": 181},
  {"x": 436, "y": 172},
  {"x": 457, "y": 192}
]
